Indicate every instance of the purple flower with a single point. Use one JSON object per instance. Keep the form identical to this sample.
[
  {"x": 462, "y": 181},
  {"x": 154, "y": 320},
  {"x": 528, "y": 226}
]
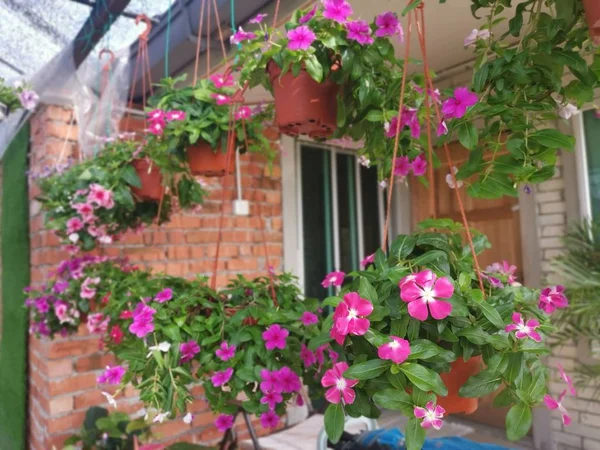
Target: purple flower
[
  {"x": 224, "y": 422},
  {"x": 402, "y": 166},
  {"x": 307, "y": 356},
  {"x": 269, "y": 419},
  {"x": 300, "y": 38},
  {"x": 271, "y": 399},
  {"x": 143, "y": 320},
  {"x": 112, "y": 375},
  {"x": 225, "y": 352},
  {"x": 270, "y": 381},
  {"x": 388, "y": 24},
  {"x": 289, "y": 380},
  {"x": 258, "y": 18},
  {"x": 309, "y": 318},
  {"x": 419, "y": 165},
  {"x": 309, "y": 15},
  {"x": 188, "y": 351},
  {"x": 164, "y": 296},
  {"x": 275, "y": 337},
  {"x": 240, "y": 36},
  {"x": 338, "y": 10},
  {"x": 42, "y": 305},
  {"x": 220, "y": 378},
  {"x": 29, "y": 100},
  {"x": 456, "y": 107},
  {"x": 359, "y": 31}
]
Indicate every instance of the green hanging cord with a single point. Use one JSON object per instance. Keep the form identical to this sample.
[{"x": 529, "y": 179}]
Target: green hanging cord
[
  {"x": 168, "y": 41},
  {"x": 233, "y": 29}
]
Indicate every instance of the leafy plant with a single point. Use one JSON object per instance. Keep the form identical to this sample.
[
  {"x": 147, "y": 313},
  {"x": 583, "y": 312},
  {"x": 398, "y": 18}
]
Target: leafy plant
[{"x": 18, "y": 96}]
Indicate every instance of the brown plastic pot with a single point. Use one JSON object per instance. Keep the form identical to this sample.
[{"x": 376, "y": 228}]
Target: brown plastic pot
[
  {"x": 204, "y": 160},
  {"x": 592, "y": 14},
  {"x": 460, "y": 372},
  {"x": 303, "y": 106},
  {"x": 151, "y": 179}
]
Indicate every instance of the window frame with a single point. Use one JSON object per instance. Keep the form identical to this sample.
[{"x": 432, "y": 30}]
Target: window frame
[{"x": 582, "y": 168}]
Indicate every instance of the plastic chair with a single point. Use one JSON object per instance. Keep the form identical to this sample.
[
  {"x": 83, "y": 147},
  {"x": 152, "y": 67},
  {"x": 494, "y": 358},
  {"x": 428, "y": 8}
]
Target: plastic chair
[{"x": 351, "y": 422}]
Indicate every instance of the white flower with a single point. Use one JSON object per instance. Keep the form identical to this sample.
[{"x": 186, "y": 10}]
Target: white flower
[
  {"x": 364, "y": 161},
  {"x": 386, "y": 127},
  {"x": 476, "y": 35},
  {"x": 160, "y": 418},
  {"x": 162, "y": 347},
  {"x": 105, "y": 239},
  {"x": 74, "y": 237},
  {"x": 188, "y": 418},
  {"x": 450, "y": 180},
  {"x": 383, "y": 184},
  {"x": 566, "y": 111},
  {"x": 110, "y": 399}
]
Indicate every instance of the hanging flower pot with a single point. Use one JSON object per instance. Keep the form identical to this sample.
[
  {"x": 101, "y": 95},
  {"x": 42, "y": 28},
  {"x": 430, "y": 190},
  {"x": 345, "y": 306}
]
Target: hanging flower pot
[
  {"x": 460, "y": 372},
  {"x": 592, "y": 14},
  {"x": 302, "y": 105},
  {"x": 151, "y": 180},
  {"x": 204, "y": 160}
]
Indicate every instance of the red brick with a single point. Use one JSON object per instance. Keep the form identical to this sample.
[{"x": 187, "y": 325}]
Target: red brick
[
  {"x": 59, "y": 113},
  {"x": 63, "y": 348},
  {"x": 60, "y": 405},
  {"x": 89, "y": 398},
  {"x": 242, "y": 264},
  {"x": 62, "y": 130},
  {"x": 72, "y": 384},
  {"x": 94, "y": 362},
  {"x": 71, "y": 421},
  {"x": 59, "y": 368},
  {"x": 58, "y": 440},
  {"x": 170, "y": 428},
  {"x": 178, "y": 252},
  {"x": 201, "y": 236}
]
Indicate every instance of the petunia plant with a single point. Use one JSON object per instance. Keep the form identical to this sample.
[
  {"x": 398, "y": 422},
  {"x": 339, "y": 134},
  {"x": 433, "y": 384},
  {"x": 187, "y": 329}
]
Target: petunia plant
[
  {"x": 96, "y": 201},
  {"x": 15, "y": 97},
  {"x": 407, "y": 321}
]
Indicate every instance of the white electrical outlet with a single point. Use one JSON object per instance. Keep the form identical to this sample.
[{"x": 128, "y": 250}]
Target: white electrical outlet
[{"x": 241, "y": 207}]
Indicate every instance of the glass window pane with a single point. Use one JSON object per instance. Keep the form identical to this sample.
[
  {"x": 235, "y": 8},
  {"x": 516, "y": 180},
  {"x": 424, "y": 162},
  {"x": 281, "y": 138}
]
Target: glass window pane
[
  {"x": 592, "y": 140},
  {"x": 370, "y": 216},
  {"x": 346, "y": 194}
]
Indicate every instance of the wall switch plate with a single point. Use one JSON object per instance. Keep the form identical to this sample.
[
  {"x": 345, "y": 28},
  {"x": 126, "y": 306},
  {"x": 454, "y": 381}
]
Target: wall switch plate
[{"x": 241, "y": 207}]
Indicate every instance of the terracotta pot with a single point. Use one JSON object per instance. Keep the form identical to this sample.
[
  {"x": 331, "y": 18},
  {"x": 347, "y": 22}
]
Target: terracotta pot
[
  {"x": 151, "y": 179},
  {"x": 592, "y": 14},
  {"x": 460, "y": 372},
  {"x": 204, "y": 160},
  {"x": 303, "y": 106}
]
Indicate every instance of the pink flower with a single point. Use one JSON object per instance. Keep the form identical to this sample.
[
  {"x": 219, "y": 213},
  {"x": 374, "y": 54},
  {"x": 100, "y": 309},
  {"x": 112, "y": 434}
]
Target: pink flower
[
  {"x": 432, "y": 415},
  {"x": 349, "y": 316},
  {"x": 450, "y": 181},
  {"x": 409, "y": 118},
  {"x": 74, "y": 224},
  {"x": 340, "y": 387},
  {"x": 29, "y": 99},
  {"x": 164, "y": 296},
  {"x": 126, "y": 315},
  {"x": 157, "y": 127},
  {"x": 337, "y": 336},
  {"x": 222, "y": 80},
  {"x": 225, "y": 352},
  {"x": 338, "y": 10},
  {"x": 270, "y": 381},
  {"x": 116, "y": 334},
  {"x": 333, "y": 279},
  {"x": 224, "y": 422},
  {"x": 419, "y": 165},
  {"x": 368, "y": 260},
  {"x": 288, "y": 380},
  {"x": 143, "y": 320},
  {"x": 359, "y": 31},
  {"x": 269, "y": 419},
  {"x": 112, "y": 375},
  {"x": 220, "y": 378},
  {"x": 309, "y": 15},
  {"x": 156, "y": 115},
  {"x": 60, "y": 309},
  {"x": 271, "y": 399},
  {"x": 97, "y": 323},
  {"x": 423, "y": 296},
  {"x": 397, "y": 351},
  {"x": 504, "y": 269},
  {"x": 388, "y": 24},
  {"x": 221, "y": 99},
  {"x": 553, "y": 404},
  {"x": 300, "y": 38},
  {"x": 456, "y": 107},
  {"x": 240, "y": 36},
  {"x": 567, "y": 380},
  {"x": 258, "y": 18},
  {"x": 524, "y": 329},
  {"x": 188, "y": 351},
  {"x": 101, "y": 196},
  {"x": 553, "y": 298},
  {"x": 243, "y": 113},
  {"x": 175, "y": 115},
  {"x": 402, "y": 166},
  {"x": 307, "y": 356},
  {"x": 442, "y": 128},
  {"x": 85, "y": 210},
  {"x": 87, "y": 287},
  {"x": 309, "y": 318},
  {"x": 275, "y": 337}
]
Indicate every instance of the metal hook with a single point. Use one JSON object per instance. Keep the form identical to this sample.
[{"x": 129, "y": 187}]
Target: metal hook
[
  {"x": 144, "y": 18},
  {"x": 111, "y": 58}
]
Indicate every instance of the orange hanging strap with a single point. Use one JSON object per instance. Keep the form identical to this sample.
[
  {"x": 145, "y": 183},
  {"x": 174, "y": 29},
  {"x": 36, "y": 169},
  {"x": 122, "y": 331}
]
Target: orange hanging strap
[{"x": 199, "y": 41}]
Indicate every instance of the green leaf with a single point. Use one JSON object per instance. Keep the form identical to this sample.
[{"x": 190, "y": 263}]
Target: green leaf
[
  {"x": 172, "y": 332},
  {"x": 423, "y": 349},
  {"x": 488, "y": 310},
  {"x": 331, "y": 301},
  {"x": 395, "y": 400},
  {"x": 424, "y": 378},
  {"x": 368, "y": 369},
  {"x": 503, "y": 399},
  {"x": 334, "y": 421},
  {"x": 552, "y": 139},
  {"x": 467, "y": 135},
  {"x": 569, "y": 58},
  {"x": 515, "y": 366},
  {"x": 475, "y": 335},
  {"x": 403, "y": 246},
  {"x": 130, "y": 176},
  {"x": 415, "y": 434},
  {"x": 375, "y": 115},
  {"x": 411, "y": 6},
  {"x": 314, "y": 68},
  {"x": 435, "y": 240},
  {"x": 483, "y": 383},
  {"x": 518, "y": 421},
  {"x": 319, "y": 340},
  {"x": 367, "y": 291}
]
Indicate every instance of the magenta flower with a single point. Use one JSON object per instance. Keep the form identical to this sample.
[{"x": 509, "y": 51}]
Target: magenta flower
[
  {"x": 456, "y": 107},
  {"x": 523, "y": 329},
  {"x": 97, "y": 323},
  {"x": 387, "y": 24},
  {"x": 309, "y": 318},
  {"x": 409, "y": 118},
  {"x": 101, "y": 196},
  {"x": 143, "y": 320},
  {"x": 188, "y": 351},
  {"x": 243, "y": 113},
  {"x": 368, "y": 260},
  {"x": 225, "y": 352},
  {"x": 222, "y": 377},
  {"x": 74, "y": 224},
  {"x": 271, "y": 399},
  {"x": 336, "y": 335},
  {"x": 221, "y": 99},
  {"x": 359, "y": 31},
  {"x": 333, "y": 279},
  {"x": 157, "y": 127},
  {"x": 275, "y": 337},
  {"x": 423, "y": 296},
  {"x": 270, "y": 381},
  {"x": 307, "y": 356},
  {"x": 240, "y": 36},
  {"x": 397, "y": 350},
  {"x": 289, "y": 381},
  {"x": 567, "y": 379},
  {"x": 402, "y": 166},
  {"x": 85, "y": 210},
  {"x": 349, "y": 315},
  {"x": 269, "y": 419},
  {"x": 300, "y": 38},
  {"x": 221, "y": 80},
  {"x": 258, "y": 18},
  {"x": 504, "y": 269},
  {"x": 224, "y": 422},
  {"x": 338, "y": 10},
  {"x": 552, "y": 299},
  {"x": 340, "y": 387},
  {"x": 157, "y": 114},
  {"x": 112, "y": 375},
  {"x": 309, "y": 15},
  {"x": 553, "y": 404},
  {"x": 442, "y": 128},
  {"x": 164, "y": 296},
  {"x": 87, "y": 287},
  {"x": 175, "y": 115},
  {"x": 432, "y": 415}
]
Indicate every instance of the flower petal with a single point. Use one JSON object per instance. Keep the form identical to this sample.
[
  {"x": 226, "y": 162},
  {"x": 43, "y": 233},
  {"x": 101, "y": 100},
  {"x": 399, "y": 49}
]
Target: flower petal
[
  {"x": 443, "y": 288},
  {"x": 410, "y": 292},
  {"x": 550, "y": 402},
  {"x": 420, "y": 412},
  {"x": 333, "y": 395},
  {"x": 439, "y": 309},
  {"x": 418, "y": 310}
]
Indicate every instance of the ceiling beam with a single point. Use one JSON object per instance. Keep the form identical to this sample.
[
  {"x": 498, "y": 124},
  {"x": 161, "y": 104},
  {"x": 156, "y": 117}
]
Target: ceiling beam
[{"x": 127, "y": 14}]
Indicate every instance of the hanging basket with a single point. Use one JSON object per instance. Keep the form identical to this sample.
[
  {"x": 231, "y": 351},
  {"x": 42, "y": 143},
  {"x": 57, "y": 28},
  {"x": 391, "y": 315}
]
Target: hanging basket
[
  {"x": 460, "y": 372},
  {"x": 303, "y": 106},
  {"x": 592, "y": 14},
  {"x": 204, "y": 160},
  {"x": 151, "y": 180}
]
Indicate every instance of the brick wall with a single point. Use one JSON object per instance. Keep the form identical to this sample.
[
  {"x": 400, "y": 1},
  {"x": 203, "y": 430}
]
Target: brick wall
[{"x": 62, "y": 373}]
